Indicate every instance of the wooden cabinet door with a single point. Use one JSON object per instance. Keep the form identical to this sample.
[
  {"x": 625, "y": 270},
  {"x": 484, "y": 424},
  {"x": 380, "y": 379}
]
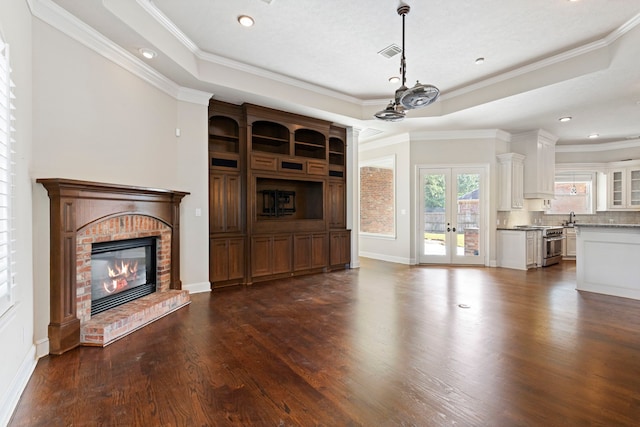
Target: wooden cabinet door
[
  {"x": 261, "y": 250},
  {"x": 302, "y": 252},
  {"x": 219, "y": 260},
  {"x": 233, "y": 202},
  {"x": 217, "y": 202},
  {"x": 340, "y": 248},
  {"x": 336, "y": 199},
  {"x": 236, "y": 258},
  {"x": 319, "y": 250},
  {"x": 281, "y": 254},
  {"x": 225, "y": 202}
]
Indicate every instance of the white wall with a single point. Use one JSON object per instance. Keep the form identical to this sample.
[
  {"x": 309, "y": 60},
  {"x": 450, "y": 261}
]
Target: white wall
[
  {"x": 430, "y": 149},
  {"x": 459, "y": 148},
  {"x": 193, "y": 174},
  {"x": 17, "y": 357},
  {"x": 95, "y": 121},
  {"x": 384, "y": 248}
]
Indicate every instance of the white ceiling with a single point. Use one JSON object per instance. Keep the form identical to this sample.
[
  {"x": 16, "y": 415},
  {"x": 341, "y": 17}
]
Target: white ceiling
[{"x": 544, "y": 58}]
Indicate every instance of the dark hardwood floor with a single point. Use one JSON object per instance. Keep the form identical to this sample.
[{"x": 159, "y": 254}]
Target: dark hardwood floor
[{"x": 385, "y": 345}]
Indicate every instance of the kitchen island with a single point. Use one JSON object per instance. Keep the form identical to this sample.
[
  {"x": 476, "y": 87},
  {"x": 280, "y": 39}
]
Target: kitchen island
[{"x": 608, "y": 259}]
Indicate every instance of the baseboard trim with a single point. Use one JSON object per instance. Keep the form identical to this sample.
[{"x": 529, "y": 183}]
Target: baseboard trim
[
  {"x": 17, "y": 386},
  {"x": 42, "y": 348},
  {"x": 388, "y": 258},
  {"x": 196, "y": 288}
]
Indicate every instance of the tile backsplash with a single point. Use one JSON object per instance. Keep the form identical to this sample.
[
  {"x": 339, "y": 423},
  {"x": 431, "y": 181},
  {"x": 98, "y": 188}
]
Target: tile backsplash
[{"x": 510, "y": 219}]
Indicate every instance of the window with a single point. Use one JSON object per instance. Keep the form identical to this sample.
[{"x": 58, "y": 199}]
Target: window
[
  {"x": 377, "y": 197},
  {"x": 6, "y": 141},
  {"x": 574, "y": 192}
]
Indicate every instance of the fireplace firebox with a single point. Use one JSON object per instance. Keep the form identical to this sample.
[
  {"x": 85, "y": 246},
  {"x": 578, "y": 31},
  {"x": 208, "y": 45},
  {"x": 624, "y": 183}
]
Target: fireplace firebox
[{"x": 122, "y": 271}]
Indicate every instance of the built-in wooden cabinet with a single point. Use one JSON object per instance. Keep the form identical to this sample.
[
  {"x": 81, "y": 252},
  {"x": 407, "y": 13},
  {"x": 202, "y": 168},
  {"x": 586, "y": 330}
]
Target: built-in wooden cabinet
[
  {"x": 227, "y": 219},
  {"x": 227, "y": 260},
  {"x": 340, "y": 253},
  {"x": 226, "y": 201},
  {"x": 271, "y": 255},
  {"x": 337, "y": 203},
  {"x": 278, "y": 182},
  {"x": 310, "y": 251}
]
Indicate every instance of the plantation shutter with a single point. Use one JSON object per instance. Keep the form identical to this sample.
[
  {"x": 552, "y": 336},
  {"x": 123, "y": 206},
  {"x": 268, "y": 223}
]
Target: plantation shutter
[{"x": 6, "y": 169}]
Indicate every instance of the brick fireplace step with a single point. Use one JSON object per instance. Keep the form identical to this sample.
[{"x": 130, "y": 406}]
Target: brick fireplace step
[{"x": 108, "y": 326}]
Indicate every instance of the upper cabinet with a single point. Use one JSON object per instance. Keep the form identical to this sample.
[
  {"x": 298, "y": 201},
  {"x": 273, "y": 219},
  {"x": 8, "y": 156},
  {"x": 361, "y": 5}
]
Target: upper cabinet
[
  {"x": 623, "y": 190},
  {"x": 539, "y": 149},
  {"x": 510, "y": 181}
]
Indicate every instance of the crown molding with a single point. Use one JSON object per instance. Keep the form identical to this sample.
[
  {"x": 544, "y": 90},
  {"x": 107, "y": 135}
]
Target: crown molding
[
  {"x": 605, "y": 146},
  {"x": 68, "y": 24},
  {"x": 149, "y": 7},
  {"x": 461, "y": 134},
  {"x": 547, "y": 62}
]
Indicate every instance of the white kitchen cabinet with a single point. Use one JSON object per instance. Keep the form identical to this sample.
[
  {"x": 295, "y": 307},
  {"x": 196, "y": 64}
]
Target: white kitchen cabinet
[
  {"x": 510, "y": 181},
  {"x": 623, "y": 190},
  {"x": 569, "y": 243},
  {"x": 519, "y": 249},
  {"x": 539, "y": 149}
]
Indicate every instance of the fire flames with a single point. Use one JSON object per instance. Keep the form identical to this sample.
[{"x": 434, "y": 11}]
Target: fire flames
[{"x": 120, "y": 276}]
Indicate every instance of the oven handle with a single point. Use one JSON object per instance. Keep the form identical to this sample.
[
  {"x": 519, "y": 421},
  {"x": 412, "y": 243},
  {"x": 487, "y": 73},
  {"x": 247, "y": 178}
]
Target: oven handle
[{"x": 553, "y": 239}]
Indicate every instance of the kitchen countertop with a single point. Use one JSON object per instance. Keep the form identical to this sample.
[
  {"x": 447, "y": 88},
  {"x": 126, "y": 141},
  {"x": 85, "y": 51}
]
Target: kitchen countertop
[
  {"x": 518, "y": 228},
  {"x": 609, "y": 225}
]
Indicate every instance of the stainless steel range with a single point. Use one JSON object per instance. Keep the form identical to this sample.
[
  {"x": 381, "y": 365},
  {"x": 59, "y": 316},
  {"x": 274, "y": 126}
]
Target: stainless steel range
[{"x": 551, "y": 245}]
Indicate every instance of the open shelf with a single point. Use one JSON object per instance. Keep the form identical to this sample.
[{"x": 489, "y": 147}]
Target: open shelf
[
  {"x": 336, "y": 151},
  {"x": 270, "y": 137},
  {"x": 224, "y": 135},
  {"x": 310, "y": 143},
  {"x": 285, "y": 199}
]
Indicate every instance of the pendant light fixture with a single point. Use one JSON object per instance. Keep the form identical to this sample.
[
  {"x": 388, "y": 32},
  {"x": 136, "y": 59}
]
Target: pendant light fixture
[{"x": 407, "y": 99}]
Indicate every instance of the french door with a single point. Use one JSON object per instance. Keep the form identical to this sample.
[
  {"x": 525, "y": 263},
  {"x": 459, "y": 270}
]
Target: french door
[{"x": 451, "y": 208}]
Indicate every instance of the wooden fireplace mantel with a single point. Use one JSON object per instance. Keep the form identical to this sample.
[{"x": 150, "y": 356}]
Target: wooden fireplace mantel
[{"x": 76, "y": 204}]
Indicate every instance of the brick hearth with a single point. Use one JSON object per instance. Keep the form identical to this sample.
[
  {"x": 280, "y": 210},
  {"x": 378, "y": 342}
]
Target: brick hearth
[
  {"x": 111, "y": 325},
  {"x": 106, "y": 327}
]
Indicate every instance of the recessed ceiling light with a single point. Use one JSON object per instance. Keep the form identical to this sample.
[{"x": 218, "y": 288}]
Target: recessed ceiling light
[
  {"x": 246, "y": 20},
  {"x": 480, "y": 61},
  {"x": 147, "y": 53},
  {"x": 394, "y": 79},
  {"x": 565, "y": 119},
  {"x": 594, "y": 135}
]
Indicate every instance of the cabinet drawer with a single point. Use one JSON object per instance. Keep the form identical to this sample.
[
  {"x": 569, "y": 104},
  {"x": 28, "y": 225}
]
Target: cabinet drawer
[
  {"x": 292, "y": 165},
  {"x": 264, "y": 162},
  {"x": 317, "y": 168}
]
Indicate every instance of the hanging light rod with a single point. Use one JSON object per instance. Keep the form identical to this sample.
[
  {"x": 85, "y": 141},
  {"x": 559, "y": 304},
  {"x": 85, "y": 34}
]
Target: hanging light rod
[{"x": 418, "y": 96}]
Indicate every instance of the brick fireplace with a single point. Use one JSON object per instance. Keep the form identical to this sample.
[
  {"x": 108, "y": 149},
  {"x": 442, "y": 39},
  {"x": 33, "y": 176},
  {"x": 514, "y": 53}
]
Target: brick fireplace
[{"x": 85, "y": 213}]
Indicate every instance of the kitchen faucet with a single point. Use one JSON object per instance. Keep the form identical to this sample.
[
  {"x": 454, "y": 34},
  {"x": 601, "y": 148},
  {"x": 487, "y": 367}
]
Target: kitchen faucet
[{"x": 571, "y": 217}]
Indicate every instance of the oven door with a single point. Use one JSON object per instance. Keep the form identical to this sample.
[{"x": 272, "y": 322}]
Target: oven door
[{"x": 552, "y": 252}]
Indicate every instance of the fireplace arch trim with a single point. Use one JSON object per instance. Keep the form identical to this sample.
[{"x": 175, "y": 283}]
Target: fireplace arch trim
[{"x": 95, "y": 221}]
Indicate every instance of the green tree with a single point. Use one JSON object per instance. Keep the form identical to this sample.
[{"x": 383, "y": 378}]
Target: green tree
[
  {"x": 434, "y": 189},
  {"x": 434, "y": 192},
  {"x": 467, "y": 183}
]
